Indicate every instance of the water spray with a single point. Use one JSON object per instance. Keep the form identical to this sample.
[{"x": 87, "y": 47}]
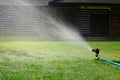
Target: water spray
[{"x": 97, "y": 51}]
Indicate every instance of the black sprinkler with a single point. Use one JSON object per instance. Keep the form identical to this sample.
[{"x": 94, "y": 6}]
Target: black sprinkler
[{"x": 96, "y": 51}]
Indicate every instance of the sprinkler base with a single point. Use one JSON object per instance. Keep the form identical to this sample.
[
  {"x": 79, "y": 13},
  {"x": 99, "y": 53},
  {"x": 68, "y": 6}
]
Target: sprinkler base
[{"x": 96, "y": 58}]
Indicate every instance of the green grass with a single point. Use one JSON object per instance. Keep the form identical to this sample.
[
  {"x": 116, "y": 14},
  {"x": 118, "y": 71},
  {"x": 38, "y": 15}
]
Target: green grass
[{"x": 35, "y": 60}]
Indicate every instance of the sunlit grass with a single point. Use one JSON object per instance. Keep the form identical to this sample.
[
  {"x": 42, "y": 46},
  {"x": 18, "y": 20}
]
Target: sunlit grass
[{"x": 40, "y": 60}]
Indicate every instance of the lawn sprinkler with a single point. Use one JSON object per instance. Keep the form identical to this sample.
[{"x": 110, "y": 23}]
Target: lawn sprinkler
[{"x": 97, "y": 51}]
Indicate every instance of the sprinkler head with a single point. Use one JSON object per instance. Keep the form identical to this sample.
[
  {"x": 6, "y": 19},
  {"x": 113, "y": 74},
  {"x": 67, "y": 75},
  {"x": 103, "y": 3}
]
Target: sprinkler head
[{"x": 96, "y": 51}]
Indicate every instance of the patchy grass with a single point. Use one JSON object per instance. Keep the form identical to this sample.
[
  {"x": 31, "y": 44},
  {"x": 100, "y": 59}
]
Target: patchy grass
[{"x": 35, "y": 60}]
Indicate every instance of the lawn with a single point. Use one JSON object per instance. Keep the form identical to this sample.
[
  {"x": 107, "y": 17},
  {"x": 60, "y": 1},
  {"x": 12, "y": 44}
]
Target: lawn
[{"x": 58, "y": 60}]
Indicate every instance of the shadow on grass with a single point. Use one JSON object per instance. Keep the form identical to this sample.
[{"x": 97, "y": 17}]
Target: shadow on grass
[{"x": 117, "y": 61}]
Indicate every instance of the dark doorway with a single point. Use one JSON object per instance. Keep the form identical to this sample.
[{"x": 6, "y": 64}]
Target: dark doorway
[
  {"x": 100, "y": 25},
  {"x": 69, "y": 18}
]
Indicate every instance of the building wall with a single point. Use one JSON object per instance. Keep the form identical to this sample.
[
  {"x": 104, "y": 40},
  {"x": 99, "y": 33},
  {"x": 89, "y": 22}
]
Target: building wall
[
  {"x": 115, "y": 23},
  {"x": 22, "y": 19},
  {"x": 90, "y": 21},
  {"x": 90, "y": 1},
  {"x": 13, "y": 24},
  {"x": 24, "y": 2},
  {"x": 113, "y": 19},
  {"x": 20, "y": 22}
]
